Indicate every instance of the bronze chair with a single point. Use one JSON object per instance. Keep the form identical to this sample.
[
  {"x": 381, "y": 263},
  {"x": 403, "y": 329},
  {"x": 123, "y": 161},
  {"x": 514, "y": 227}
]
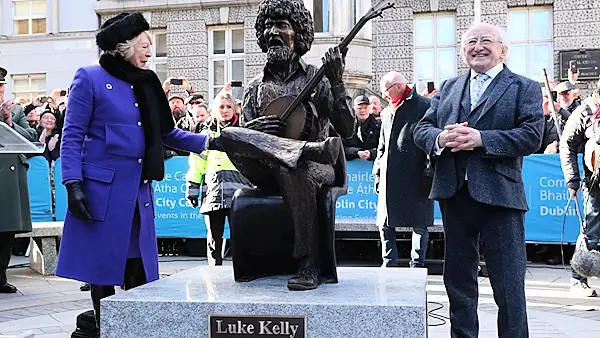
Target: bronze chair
[{"x": 262, "y": 237}]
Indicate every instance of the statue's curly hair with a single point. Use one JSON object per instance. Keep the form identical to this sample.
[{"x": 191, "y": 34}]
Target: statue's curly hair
[{"x": 296, "y": 13}]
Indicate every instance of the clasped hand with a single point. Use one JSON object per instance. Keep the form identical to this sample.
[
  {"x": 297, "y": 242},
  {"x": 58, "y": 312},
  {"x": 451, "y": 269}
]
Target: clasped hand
[{"x": 459, "y": 137}]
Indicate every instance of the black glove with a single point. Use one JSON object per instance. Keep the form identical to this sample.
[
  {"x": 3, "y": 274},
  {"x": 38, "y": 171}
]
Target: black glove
[
  {"x": 192, "y": 193},
  {"x": 168, "y": 153},
  {"x": 215, "y": 143},
  {"x": 78, "y": 204},
  {"x": 377, "y": 184},
  {"x": 267, "y": 124}
]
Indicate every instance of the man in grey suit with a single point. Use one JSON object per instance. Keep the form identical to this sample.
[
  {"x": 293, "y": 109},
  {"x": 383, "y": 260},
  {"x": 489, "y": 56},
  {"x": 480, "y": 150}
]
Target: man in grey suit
[{"x": 477, "y": 130}]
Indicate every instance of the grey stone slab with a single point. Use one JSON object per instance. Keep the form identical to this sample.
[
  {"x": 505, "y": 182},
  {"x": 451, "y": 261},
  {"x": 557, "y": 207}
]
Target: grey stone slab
[
  {"x": 363, "y": 302},
  {"x": 44, "y": 229}
]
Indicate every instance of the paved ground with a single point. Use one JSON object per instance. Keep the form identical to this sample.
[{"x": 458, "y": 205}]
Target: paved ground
[{"x": 48, "y": 306}]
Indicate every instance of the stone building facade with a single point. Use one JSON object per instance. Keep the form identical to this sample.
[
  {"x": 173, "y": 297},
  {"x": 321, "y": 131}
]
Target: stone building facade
[{"x": 400, "y": 40}]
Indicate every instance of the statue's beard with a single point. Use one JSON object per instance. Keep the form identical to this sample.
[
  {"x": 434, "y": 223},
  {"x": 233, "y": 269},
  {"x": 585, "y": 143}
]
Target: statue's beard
[{"x": 278, "y": 55}]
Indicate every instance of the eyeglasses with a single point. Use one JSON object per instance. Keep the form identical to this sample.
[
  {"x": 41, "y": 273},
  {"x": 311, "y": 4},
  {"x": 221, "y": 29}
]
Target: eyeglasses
[
  {"x": 193, "y": 103},
  {"x": 482, "y": 41},
  {"x": 390, "y": 87}
]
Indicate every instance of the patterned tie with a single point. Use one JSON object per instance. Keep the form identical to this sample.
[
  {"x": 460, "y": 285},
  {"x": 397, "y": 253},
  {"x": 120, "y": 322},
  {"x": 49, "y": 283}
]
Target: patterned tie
[{"x": 478, "y": 89}]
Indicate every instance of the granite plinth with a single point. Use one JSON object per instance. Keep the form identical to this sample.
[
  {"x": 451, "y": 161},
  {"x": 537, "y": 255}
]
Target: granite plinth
[{"x": 367, "y": 302}]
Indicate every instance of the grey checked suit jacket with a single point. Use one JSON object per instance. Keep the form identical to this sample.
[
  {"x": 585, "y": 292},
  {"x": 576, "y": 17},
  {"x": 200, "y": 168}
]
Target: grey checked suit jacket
[{"x": 511, "y": 124}]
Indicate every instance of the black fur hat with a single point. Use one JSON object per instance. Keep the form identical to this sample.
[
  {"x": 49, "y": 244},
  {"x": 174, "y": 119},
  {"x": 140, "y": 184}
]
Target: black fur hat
[
  {"x": 119, "y": 29},
  {"x": 3, "y": 74}
]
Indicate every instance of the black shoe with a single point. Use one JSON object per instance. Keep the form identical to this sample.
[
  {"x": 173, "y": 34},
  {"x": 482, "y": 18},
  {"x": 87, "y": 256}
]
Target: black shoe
[
  {"x": 8, "y": 288},
  {"x": 85, "y": 287},
  {"x": 307, "y": 277}
]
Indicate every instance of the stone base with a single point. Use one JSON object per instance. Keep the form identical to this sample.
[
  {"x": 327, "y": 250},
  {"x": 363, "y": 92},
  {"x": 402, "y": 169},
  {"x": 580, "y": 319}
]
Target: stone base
[{"x": 367, "y": 302}]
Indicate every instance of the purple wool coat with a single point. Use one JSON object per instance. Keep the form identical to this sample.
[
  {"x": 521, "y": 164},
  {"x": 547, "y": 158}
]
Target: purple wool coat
[{"x": 103, "y": 146}]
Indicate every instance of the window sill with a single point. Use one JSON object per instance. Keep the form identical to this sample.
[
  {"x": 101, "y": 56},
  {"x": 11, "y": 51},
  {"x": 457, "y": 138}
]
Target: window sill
[
  {"x": 116, "y": 6},
  {"x": 329, "y": 38},
  {"x": 46, "y": 36}
]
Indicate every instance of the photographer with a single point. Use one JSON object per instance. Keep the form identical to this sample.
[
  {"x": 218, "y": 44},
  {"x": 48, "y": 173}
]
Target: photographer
[
  {"x": 581, "y": 130},
  {"x": 14, "y": 200}
]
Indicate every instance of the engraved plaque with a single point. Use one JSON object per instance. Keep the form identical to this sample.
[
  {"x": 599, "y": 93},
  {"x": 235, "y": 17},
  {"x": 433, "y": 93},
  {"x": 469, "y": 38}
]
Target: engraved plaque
[
  {"x": 588, "y": 63},
  {"x": 241, "y": 326}
]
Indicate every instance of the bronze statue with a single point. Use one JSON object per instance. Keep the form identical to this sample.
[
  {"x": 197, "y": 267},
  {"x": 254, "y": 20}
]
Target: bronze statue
[{"x": 292, "y": 155}]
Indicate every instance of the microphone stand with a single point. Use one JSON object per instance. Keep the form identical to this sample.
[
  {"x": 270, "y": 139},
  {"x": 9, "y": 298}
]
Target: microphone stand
[{"x": 551, "y": 106}]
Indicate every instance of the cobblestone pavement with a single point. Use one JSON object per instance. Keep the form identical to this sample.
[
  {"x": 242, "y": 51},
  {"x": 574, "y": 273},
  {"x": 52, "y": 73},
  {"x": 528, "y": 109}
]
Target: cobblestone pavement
[{"x": 48, "y": 306}]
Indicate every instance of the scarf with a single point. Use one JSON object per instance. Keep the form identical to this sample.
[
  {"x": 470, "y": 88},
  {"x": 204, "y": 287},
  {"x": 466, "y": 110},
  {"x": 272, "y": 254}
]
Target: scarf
[
  {"x": 154, "y": 108},
  {"x": 405, "y": 94}
]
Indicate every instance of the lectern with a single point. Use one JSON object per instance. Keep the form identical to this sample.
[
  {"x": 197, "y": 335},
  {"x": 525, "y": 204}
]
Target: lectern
[{"x": 12, "y": 142}]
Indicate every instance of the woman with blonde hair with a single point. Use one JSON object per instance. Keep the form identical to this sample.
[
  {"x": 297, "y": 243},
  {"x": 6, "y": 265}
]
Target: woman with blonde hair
[
  {"x": 213, "y": 173},
  {"x": 116, "y": 123}
]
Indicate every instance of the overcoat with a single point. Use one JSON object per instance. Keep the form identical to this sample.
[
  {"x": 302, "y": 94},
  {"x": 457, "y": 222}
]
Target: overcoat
[
  {"x": 401, "y": 168},
  {"x": 15, "y": 212},
  {"x": 103, "y": 147}
]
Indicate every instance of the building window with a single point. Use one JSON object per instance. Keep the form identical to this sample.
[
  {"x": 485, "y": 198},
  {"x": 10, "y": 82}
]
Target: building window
[
  {"x": 435, "y": 49},
  {"x": 226, "y": 59},
  {"x": 530, "y": 35},
  {"x": 320, "y": 13},
  {"x": 158, "y": 62},
  {"x": 338, "y": 17},
  {"x": 29, "y": 17},
  {"x": 29, "y": 86}
]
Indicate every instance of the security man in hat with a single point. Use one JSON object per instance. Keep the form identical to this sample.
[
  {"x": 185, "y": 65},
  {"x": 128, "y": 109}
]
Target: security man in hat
[
  {"x": 364, "y": 141},
  {"x": 14, "y": 200},
  {"x": 566, "y": 102}
]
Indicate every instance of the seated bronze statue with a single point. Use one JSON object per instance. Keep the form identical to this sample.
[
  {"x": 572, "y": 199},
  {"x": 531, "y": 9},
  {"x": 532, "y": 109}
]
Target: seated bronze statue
[{"x": 292, "y": 155}]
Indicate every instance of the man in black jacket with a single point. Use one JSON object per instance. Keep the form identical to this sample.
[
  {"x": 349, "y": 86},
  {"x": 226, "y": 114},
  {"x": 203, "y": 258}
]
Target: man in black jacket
[
  {"x": 363, "y": 143},
  {"x": 401, "y": 172},
  {"x": 581, "y": 133}
]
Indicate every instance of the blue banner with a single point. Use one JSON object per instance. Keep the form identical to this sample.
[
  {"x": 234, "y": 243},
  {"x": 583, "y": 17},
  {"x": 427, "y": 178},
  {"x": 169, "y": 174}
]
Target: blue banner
[
  {"x": 40, "y": 190},
  {"x": 545, "y": 188},
  {"x": 60, "y": 193},
  {"x": 547, "y": 197},
  {"x": 174, "y": 215}
]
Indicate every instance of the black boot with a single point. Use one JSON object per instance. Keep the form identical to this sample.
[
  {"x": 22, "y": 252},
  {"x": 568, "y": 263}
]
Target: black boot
[
  {"x": 308, "y": 274},
  {"x": 99, "y": 292},
  {"x": 325, "y": 152},
  {"x": 86, "y": 326},
  {"x": 135, "y": 274}
]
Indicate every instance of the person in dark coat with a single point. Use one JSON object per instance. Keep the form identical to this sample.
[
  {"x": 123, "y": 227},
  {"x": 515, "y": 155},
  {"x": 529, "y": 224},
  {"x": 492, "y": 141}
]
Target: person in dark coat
[
  {"x": 117, "y": 121},
  {"x": 364, "y": 141},
  {"x": 401, "y": 169},
  {"x": 14, "y": 200}
]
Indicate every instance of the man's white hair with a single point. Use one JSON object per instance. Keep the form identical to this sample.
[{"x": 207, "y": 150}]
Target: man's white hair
[
  {"x": 500, "y": 33},
  {"x": 126, "y": 49},
  {"x": 392, "y": 78}
]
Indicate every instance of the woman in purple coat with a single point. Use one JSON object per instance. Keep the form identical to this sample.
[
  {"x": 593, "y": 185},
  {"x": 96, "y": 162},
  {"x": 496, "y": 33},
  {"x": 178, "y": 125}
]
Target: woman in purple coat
[{"x": 112, "y": 149}]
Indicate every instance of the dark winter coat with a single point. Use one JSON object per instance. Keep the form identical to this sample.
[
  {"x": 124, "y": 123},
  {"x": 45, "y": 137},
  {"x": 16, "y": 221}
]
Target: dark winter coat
[
  {"x": 368, "y": 140},
  {"x": 402, "y": 168},
  {"x": 14, "y": 199}
]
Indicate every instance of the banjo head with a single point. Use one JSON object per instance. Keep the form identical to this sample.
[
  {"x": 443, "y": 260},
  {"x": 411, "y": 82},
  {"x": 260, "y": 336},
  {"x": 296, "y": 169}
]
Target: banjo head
[{"x": 296, "y": 122}]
